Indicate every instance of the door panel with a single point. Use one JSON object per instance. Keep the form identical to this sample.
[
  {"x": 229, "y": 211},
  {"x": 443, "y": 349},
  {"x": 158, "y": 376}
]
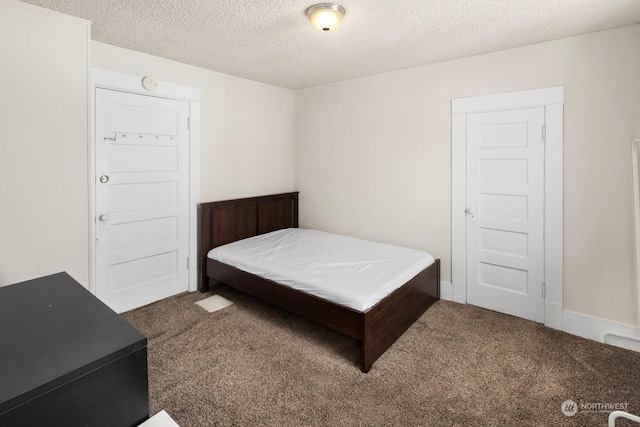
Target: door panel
[
  {"x": 143, "y": 195},
  {"x": 144, "y": 119},
  {"x": 154, "y": 158},
  {"x": 142, "y": 146},
  {"x": 505, "y": 215},
  {"x": 503, "y": 242}
]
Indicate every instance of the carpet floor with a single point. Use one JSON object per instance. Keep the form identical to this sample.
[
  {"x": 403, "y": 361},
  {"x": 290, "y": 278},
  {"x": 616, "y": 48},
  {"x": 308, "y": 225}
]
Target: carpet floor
[{"x": 252, "y": 364}]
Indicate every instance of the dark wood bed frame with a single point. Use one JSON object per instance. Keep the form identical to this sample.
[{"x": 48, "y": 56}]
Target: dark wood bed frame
[{"x": 377, "y": 328}]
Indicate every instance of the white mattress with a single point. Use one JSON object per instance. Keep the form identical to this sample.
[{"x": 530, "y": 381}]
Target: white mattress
[{"x": 347, "y": 271}]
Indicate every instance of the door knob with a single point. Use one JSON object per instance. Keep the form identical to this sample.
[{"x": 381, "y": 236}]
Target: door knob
[
  {"x": 470, "y": 211},
  {"x": 104, "y": 179},
  {"x": 104, "y": 217}
]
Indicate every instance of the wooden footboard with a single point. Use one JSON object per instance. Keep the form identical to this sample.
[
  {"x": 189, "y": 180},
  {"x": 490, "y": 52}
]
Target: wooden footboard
[
  {"x": 386, "y": 321},
  {"x": 377, "y": 328}
]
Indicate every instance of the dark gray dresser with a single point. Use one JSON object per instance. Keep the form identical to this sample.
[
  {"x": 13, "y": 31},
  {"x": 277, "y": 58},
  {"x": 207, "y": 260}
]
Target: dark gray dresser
[{"x": 66, "y": 359}]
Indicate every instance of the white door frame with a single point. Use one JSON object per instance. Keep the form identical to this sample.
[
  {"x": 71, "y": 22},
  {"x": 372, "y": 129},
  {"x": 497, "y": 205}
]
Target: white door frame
[
  {"x": 106, "y": 79},
  {"x": 552, "y": 99}
]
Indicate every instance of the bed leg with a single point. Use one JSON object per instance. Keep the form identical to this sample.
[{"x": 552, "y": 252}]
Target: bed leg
[
  {"x": 204, "y": 280},
  {"x": 366, "y": 344},
  {"x": 366, "y": 362}
]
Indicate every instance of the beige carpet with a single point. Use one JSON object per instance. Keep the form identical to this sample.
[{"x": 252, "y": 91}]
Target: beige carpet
[{"x": 252, "y": 364}]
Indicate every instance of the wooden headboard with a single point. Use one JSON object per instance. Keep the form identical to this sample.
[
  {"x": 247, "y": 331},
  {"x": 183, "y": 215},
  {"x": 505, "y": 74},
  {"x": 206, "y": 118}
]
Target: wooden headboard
[{"x": 230, "y": 220}]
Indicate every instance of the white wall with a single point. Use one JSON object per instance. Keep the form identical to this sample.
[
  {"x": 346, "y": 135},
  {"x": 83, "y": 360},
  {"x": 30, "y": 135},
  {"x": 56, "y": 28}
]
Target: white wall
[
  {"x": 373, "y": 156},
  {"x": 247, "y": 137},
  {"x": 44, "y": 219},
  {"x": 247, "y": 143}
]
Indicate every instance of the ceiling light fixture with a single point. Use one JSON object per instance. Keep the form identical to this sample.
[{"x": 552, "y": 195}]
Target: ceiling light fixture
[{"x": 325, "y": 16}]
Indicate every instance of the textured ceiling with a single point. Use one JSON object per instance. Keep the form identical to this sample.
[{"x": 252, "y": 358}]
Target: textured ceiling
[{"x": 273, "y": 41}]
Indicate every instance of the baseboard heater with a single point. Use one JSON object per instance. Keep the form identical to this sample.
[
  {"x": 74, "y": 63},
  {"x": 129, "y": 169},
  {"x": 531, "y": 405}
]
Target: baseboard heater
[{"x": 621, "y": 414}]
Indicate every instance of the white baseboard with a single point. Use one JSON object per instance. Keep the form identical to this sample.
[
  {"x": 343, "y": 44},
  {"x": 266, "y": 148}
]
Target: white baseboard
[
  {"x": 601, "y": 330},
  {"x": 446, "y": 291},
  {"x": 582, "y": 325}
]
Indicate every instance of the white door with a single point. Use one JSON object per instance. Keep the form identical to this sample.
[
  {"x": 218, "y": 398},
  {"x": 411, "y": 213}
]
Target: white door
[
  {"x": 142, "y": 198},
  {"x": 505, "y": 212}
]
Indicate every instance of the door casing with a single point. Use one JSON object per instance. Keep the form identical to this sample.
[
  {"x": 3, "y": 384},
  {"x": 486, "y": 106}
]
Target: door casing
[
  {"x": 552, "y": 99},
  {"x": 106, "y": 79}
]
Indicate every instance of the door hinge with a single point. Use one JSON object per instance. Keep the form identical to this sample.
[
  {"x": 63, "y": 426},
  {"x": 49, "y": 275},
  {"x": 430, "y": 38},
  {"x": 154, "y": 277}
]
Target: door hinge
[
  {"x": 544, "y": 290},
  {"x": 544, "y": 133},
  {"x": 188, "y": 263},
  {"x": 188, "y": 123}
]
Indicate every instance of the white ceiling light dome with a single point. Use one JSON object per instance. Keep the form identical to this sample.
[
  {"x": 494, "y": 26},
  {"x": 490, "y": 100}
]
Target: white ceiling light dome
[{"x": 326, "y": 16}]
